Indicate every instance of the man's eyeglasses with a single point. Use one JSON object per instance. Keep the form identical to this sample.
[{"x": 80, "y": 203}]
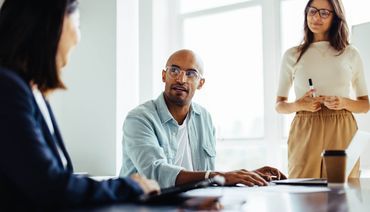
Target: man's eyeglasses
[
  {"x": 190, "y": 75},
  {"x": 324, "y": 13}
]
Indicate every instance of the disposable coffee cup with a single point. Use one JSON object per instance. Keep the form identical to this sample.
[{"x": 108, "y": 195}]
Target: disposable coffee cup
[{"x": 335, "y": 165}]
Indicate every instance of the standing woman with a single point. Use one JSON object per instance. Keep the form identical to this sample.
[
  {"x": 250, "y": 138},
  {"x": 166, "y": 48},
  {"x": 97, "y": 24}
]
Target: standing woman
[
  {"x": 36, "y": 38},
  {"x": 323, "y": 117}
]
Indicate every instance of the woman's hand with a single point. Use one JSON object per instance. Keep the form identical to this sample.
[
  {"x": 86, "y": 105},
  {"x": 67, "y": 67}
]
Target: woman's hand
[
  {"x": 360, "y": 105},
  {"x": 148, "y": 186},
  {"x": 335, "y": 102},
  {"x": 309, "y": 103}
]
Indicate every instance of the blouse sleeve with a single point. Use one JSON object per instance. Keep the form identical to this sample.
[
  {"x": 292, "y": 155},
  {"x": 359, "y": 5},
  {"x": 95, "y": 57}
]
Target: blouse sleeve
[
  {"x": 286, "y": 73},
  {"x": 358, "y": 79}
]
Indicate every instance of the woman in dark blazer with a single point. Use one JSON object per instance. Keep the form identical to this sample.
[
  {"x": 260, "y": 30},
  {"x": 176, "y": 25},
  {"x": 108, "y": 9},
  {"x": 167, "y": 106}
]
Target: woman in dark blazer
[{"x": 36, "y": 38}]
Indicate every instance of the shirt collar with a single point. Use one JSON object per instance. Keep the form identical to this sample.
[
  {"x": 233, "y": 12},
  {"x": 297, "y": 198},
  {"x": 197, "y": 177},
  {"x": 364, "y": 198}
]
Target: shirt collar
[{"x": 164, "y": 113}]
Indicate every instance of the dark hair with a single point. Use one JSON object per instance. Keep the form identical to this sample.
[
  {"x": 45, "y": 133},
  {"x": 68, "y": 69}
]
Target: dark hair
[
  {"x": 29, "y": 36},
  {"x": 338, "y": 32}
]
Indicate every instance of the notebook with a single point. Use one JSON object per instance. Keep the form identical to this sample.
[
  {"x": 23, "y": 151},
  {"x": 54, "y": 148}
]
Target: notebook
[
  {"x": 358, "y": 144},
  {"x": 171, "y": 194}
]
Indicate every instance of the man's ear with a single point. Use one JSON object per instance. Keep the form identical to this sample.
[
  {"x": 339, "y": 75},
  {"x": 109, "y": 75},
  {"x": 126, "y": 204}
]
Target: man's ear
[
  {"x": 201, "y": 83},
  {"x": 163, "y": 76}
]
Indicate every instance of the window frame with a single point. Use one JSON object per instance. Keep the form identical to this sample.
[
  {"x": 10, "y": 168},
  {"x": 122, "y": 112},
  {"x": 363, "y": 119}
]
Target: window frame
[{"x": 271, "y": 43}]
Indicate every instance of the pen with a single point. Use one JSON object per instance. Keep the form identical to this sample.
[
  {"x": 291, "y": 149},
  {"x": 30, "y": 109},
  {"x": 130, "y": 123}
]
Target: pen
[{"x": 311, "y": 87}]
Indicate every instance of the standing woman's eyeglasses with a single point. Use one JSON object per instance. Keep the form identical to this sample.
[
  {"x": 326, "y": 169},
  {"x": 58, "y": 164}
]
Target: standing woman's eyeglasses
[{"x": 324, "y": 13}]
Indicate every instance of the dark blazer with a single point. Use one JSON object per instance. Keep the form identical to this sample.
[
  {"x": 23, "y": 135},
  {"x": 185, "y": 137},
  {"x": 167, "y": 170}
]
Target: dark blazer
[{"x": 31, "y": 171}]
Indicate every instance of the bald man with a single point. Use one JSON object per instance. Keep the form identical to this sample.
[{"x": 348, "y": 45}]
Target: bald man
[{"x": 171, "y": 139}]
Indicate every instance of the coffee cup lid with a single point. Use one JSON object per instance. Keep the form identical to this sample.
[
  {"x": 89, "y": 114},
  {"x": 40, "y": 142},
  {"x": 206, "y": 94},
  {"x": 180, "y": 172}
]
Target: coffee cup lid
[{"x": 334, "y": 153}]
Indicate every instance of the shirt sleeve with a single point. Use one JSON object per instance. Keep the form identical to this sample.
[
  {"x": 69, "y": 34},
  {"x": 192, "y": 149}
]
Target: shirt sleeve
[
  {"x": 286, "y": 73},
  {"x": 143, "y": 149},
  {"x": 214, "y": 143},
  {"x": 358, "y": 79}
]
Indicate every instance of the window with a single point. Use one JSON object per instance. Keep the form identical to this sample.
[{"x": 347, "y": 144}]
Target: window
[
  {"x": 356, "y": 11},
  {"x": 196, "y": 5},
  {"x": 241, "y": 43},
  {"x": 292, "y": 17},
  {"x": 233, "y": 92},
  {"x": 230, "y": 41}
]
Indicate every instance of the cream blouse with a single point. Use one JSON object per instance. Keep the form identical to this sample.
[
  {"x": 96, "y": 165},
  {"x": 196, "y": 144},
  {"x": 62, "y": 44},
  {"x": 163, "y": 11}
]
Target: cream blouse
[{"x": 332, "y": 74}]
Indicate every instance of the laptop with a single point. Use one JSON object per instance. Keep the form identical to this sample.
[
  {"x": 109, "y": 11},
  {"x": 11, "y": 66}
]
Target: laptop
[
  {"x": 171, "y": 195},
  {"x": 358, "y": 144}
]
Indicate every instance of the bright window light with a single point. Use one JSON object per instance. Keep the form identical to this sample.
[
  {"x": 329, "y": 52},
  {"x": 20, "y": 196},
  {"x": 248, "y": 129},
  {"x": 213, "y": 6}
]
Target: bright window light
[
  {"x": 357, "y": 11},
  {"x": 292, "y": 17},
  {"x": 196, "y": 5},
  {"x": 230, "y": 44}
]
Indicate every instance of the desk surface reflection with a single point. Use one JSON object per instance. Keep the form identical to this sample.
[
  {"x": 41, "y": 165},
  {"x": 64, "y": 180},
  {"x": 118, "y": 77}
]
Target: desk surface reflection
[{"x": 353, "y": 196}]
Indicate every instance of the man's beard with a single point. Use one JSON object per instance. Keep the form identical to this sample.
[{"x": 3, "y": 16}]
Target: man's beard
[{"x": 177, "y": 101}]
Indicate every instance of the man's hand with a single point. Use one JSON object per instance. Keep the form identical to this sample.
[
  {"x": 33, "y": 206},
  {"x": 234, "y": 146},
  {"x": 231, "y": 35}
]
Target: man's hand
[
  {"x": 270, "y": 173},
  {"x": 148, "y": 186},
  {"x": 242, "y": 176}
]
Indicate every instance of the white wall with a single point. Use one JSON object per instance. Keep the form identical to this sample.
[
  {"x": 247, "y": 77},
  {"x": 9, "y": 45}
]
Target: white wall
[
  {"x": 103, "y": 80},
  {"x": 86, "y": 112},
  {"x": 156, "y": 42},
  {"x": 97, "y": 84},
  {"x": 127, "y": 80},
  {"x": 360, "y": 39}
]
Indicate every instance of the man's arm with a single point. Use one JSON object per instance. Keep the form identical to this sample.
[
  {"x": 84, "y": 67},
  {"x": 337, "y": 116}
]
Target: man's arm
[
  {"x": 231, "y": 178},
  {"x": 141, "y": 143},
  {"x": 250, "y": 178},
  {"x": 142, "y": 146},
  {"x": 258, "y": 177}
]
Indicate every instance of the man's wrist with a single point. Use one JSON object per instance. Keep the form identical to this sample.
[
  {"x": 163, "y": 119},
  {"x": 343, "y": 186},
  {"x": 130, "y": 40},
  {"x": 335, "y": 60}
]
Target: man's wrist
[
  {"x": 207, "y": 174},
  {"x": 213, "y": 174}
]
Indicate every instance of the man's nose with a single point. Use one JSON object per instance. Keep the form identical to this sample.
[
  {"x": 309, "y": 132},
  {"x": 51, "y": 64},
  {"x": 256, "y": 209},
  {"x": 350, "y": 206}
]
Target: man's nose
[{"x": 181, "y": 77}]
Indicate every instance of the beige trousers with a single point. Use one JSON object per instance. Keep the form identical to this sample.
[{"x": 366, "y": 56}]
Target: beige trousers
[{"x": 311, "y": 133}]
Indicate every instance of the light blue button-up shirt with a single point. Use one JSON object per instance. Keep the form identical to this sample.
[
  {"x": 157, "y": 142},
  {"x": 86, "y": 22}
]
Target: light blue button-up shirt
[{"x": 150, "y": 144}]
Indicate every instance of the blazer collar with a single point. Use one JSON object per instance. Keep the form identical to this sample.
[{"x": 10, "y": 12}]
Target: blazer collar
[
  {"x": 58, "y": 136},
  {"x": 53, "y": 140}
]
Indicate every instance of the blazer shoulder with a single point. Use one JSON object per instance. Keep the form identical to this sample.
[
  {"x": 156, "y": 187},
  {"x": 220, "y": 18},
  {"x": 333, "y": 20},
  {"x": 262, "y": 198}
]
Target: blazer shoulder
[{"x": 10, "y": 81}]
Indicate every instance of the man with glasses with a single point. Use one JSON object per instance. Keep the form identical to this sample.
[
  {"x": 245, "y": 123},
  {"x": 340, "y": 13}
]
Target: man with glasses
[{"x": 171, "y": 139}]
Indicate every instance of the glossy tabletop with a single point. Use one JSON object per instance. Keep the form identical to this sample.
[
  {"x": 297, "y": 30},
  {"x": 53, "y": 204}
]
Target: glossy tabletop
[{"x": 352, "y": 196}]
